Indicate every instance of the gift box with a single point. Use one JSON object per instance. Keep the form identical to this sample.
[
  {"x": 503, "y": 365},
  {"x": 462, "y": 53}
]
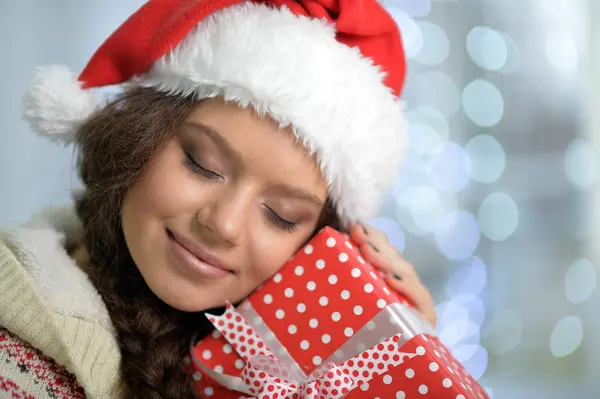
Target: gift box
[{"x": 326, "y": 326}]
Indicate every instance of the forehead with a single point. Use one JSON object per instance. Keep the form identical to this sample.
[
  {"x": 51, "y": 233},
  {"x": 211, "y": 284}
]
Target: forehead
[{"x": 265, "y": 148}]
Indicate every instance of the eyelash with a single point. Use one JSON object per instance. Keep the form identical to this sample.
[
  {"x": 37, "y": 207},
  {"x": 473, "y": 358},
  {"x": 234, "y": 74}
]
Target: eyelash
[
  {"x": 285, "y": 225},
  {"x": 191, "y": 163},
  {"x": 277, "y": 220}
]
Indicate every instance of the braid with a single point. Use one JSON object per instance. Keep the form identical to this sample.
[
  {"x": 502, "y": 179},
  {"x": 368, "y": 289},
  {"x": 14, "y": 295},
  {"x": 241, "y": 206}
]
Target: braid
[{"x": 115, "y": 144}]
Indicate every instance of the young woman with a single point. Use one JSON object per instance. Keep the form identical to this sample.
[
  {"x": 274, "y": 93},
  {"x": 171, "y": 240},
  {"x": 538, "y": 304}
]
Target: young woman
[{"x": 242, "y": 129}]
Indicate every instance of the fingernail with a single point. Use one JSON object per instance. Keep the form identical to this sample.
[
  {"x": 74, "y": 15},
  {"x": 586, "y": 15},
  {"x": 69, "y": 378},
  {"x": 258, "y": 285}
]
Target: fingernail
[
  {"x": 397, "y": 277},
  {"x": 373, "y": 246}
]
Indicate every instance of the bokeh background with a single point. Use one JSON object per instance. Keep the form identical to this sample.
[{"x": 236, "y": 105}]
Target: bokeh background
[{"x": 496, "y": 205}]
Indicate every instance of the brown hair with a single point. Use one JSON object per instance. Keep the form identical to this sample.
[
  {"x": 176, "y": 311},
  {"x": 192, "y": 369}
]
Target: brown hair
[{"x": 114, "y": 146}]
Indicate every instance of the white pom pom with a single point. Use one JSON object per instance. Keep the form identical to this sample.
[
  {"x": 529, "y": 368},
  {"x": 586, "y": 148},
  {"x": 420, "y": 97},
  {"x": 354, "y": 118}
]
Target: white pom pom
[{"x": 55, "y": 105}]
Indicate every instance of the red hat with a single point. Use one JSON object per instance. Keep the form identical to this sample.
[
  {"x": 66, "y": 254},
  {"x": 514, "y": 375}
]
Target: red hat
[{"x": 331, "y": 69}]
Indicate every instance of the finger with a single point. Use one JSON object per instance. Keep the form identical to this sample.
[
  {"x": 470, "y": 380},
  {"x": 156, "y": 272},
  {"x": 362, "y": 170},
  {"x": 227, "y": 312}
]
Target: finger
[
  {"x": 373, "y": 255},
  {"x": 418, "y": 295},
  {"x": 380, "y": 250},
  {"x": 376, "y": 236},
  {"x": 358, "y": 233},
  {"x": 363, "y": 232},
  {"x": 389, "y": 263}
]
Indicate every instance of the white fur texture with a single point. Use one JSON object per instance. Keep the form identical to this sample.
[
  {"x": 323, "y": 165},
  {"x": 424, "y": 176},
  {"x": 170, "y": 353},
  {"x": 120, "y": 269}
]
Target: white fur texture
[
  {"x": 294, "y": 70},
  {"x": 55, "y": 105},
  {"x": 40, "y": 245},
  {"x": 288, "y": 67}
]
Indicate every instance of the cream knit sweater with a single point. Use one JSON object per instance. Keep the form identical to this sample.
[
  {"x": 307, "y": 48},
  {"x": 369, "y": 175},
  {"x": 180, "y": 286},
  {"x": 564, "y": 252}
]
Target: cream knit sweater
[{"x": 48, "y": 302}]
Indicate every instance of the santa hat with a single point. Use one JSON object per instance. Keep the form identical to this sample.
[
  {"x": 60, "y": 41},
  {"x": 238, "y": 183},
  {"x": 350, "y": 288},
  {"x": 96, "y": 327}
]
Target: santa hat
[{"x": 331, "y": 69}]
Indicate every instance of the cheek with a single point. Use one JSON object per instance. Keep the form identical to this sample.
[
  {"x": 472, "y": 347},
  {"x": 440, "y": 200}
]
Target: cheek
[
  {"x": 165, "y": 189},
  {"x": 274, "y": 252}
]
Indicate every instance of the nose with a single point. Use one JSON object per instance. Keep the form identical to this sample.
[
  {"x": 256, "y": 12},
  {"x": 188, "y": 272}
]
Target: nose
[{"x": 226, "y": 217}]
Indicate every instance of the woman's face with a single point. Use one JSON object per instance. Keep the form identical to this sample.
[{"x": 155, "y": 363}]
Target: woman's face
[{"x": 221, "y": 207}]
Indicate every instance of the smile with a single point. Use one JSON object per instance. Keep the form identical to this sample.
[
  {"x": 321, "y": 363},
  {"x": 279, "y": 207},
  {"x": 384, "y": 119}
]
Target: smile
[{"x": 195, "y": 259}]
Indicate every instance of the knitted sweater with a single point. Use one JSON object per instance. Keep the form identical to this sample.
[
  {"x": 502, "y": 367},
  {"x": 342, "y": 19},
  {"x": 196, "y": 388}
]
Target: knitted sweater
[{"x": 56, "y": 338}]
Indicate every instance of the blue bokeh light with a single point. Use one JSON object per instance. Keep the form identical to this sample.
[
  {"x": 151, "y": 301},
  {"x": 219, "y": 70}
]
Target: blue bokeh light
[
  {"x": 450, "y": 167},
  {"x": 474, "y": 358},
  {"x": 469, "y": 279},
  {"x": 458, "y": 236},
  {"x": 392, "y": 230},
  {"x": 418, "y": 8}
]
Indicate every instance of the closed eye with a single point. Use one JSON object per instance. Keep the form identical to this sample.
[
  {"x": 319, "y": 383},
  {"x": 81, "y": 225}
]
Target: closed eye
[
  {"x": 195, "y": 167},
  {"x": 280, "y": 222}
]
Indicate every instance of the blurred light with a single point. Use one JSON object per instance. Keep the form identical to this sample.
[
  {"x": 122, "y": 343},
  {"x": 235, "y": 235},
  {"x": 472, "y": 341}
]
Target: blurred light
[
  {"x": 422, "y": 139},
  {"x": 392, "y": 230},
  {"x": 513, "y": 59},
  {"x": 419, "y": 9},
  {"x": 474, "y": 358},
  {"x": 431, "y": 117},
  {"x": 580, "y": 281},
  {"x": 458, "y": 235},
  {"x": 487, "y": 48},
  {"x": 427, "y": 209},
  {"x": 474, "y": 306},
  {"x": 580, "y": 164},
  {"x": 469, "y": 279},
  {"x": 420, "y": 209},
  {"x": 561, "y": 51},
  {"x": 457, "y": 330},
  {"x": 436, "y": 90},
  {"x": 455, "y": 333},
  {"x": 498, "y": 216},
  {"x": 451, "y": 312},
  {"x": 436, "y": 46},
  {"x": 483, "y": 103},
  {"x": 488, "y": 158},
  {"x": 450, "y": 167},
  {"x": 415, "y": 165},
  {"x": 562, "y": 12},
  {"x": 412, "y": 37},
  {"x": 566, "y": 336},
  {"x": 503, "y": 332}
]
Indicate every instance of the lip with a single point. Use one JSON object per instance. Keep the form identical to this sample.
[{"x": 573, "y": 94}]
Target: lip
[{"x": 190, "y": 254}]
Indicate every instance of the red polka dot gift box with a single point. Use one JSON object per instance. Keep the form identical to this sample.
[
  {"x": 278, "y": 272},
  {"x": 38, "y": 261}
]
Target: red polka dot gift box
[{"x": 326, "y": 326}]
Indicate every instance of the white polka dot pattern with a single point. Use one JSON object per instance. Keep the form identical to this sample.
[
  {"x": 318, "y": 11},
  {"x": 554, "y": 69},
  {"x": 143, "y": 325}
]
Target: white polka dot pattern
[
  {"x": 204, "y": 386},
  {"x": 422, "y": 375},
  {"x": 239, "y": 334},
  {"x": 339, "y": 292},
  {"x": 326, "y": 295},
  {"x": 267, "y": 379}
]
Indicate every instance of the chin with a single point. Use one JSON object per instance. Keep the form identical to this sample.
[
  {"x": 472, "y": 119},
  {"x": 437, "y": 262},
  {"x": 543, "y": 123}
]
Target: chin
[
  {"x": 183, "y": 297},
  {"x": 188, "y": 306}
]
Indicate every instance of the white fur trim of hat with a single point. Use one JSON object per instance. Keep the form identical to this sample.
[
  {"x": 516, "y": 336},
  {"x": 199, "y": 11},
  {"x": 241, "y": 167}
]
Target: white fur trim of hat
[{"x": 286, "y": 65}]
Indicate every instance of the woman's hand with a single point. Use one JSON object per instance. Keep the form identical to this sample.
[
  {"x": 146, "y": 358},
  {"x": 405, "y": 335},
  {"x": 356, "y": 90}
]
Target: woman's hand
[{"x": 399, "y": 274}]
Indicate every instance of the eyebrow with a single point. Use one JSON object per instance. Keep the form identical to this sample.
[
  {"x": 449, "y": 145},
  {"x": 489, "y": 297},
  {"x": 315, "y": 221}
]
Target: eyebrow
[
  {"x": 224, "y": 145},
  {"x": 301, "y": 194},
  {"x": 219, "y": 140}
]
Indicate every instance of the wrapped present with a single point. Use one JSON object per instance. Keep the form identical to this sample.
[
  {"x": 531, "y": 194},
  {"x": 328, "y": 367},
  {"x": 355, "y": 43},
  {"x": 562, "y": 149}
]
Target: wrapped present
[{"x": 326, "y": 326}]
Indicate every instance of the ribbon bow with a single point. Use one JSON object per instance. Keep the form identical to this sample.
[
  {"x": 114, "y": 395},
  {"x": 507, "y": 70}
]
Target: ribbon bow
[
  {"x": 265, "y": 374},
  {"x": 265, "y": 377}
]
